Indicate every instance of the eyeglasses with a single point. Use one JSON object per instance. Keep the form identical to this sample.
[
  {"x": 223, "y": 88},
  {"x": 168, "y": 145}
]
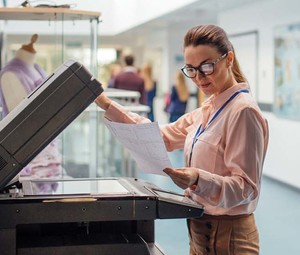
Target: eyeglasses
[{"x": 204, "y": 69}]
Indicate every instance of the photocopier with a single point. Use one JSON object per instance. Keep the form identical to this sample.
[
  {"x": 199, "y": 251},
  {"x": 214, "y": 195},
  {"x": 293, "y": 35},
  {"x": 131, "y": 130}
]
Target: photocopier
[{"x": 103, "y": 216}]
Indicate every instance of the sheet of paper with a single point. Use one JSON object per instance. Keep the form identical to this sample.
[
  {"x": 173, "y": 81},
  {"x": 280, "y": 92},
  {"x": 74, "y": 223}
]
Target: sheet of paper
[{"x": 144, "y": 143}]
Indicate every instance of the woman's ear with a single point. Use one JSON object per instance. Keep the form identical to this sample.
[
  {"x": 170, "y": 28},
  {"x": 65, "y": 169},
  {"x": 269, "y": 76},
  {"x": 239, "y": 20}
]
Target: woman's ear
[{"x": 230, "y": 58}]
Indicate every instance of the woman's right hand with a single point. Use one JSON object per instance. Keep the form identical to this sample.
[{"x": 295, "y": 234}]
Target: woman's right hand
[
  {"x": 186, "y": 177},
  {"x": 103, "y": 101}
]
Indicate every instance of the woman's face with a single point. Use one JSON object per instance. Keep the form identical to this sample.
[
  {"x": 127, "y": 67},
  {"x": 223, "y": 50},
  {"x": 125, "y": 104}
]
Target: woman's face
[{"x": 222, "y": 77}]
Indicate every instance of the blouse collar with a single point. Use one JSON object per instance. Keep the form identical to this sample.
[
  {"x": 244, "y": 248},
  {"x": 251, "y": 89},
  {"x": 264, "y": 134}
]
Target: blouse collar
[{"x": 217, "y": 101}]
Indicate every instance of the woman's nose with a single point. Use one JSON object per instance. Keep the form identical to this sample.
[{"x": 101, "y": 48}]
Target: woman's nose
[{"x": 199, "y": 75}]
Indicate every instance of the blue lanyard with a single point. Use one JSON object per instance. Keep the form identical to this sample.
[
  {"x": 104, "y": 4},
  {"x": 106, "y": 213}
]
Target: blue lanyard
[{"x": 200, "y": 131}]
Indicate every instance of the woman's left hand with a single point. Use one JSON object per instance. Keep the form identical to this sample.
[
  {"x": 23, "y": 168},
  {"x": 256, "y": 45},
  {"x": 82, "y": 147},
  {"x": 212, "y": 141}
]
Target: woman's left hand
[{"x": 183, "y": 177}]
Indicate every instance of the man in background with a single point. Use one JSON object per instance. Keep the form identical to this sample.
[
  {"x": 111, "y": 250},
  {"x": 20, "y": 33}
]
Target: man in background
[{"x": 129, "y": 79}]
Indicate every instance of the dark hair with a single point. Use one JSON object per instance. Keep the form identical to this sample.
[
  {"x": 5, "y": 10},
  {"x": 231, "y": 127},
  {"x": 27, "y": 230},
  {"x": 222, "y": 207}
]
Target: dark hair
[
  {"x": 129, "y": 60},
  {"x": 216, "y": 37}
]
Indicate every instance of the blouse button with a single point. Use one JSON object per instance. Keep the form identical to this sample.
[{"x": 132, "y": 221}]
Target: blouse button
[{"x": 208, "y": 225}]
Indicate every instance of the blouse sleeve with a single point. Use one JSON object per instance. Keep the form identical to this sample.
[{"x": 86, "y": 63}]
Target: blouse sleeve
[
  {"x": 118, "y": 113},
  {"x": 175, "y": 133},
  {"x": 243, "y": 157}
]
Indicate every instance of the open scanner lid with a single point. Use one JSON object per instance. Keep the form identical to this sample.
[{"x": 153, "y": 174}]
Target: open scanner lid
[{"x": 42, "y": 115}]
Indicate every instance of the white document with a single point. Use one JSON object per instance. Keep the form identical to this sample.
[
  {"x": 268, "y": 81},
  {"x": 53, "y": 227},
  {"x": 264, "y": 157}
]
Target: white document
[{"x": 144, "y": 143}]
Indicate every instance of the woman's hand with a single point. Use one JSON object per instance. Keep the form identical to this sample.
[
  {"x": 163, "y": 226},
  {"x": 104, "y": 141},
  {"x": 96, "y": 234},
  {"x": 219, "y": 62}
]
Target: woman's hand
[
  {"x": 184, "y": 177},
  {"x": 103, "y": 101}
]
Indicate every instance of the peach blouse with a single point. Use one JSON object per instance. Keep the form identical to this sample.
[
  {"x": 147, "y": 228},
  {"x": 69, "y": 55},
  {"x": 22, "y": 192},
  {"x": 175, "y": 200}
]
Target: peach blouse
[{"x": 229, "y": 154}]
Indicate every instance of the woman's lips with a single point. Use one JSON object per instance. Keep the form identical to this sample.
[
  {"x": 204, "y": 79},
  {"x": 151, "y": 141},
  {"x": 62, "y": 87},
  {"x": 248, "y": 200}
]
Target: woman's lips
[{"x": 204, "y": 85}]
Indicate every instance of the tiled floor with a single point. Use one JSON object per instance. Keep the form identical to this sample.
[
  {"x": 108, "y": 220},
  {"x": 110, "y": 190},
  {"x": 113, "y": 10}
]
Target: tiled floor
[{"x": 277, "y": 217}]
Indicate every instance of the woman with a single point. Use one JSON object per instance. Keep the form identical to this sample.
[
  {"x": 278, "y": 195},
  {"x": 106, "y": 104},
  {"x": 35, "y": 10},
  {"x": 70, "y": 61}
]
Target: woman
[
  {"x": 178, "y": 98},
  {"x": 224, "y": 141},
  {"x": 150, "y": 87}
]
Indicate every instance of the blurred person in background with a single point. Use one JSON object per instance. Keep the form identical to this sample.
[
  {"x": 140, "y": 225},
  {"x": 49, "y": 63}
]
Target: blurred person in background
[
  {"x": 129, "y": 79},
  {"x": 150, "y": 87},
  {"x": 178, "y": 98},
  {"x": 114, "y": 70}
]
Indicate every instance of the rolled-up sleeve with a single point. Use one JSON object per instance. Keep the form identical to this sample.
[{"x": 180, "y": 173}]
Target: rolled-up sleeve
[{"x": 118, "y": 113}]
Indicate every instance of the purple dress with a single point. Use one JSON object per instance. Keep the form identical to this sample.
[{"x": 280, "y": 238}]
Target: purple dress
[
  {"x": 47, "y": 164},
  {"x": 27, "y": 77}
]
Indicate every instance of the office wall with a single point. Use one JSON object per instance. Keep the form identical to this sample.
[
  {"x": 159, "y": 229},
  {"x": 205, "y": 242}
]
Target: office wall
[{"x": 282, "y": 161}]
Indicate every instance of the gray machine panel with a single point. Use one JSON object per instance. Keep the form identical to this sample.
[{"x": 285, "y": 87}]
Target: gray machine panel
[{"x": 116, "y": 221}]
